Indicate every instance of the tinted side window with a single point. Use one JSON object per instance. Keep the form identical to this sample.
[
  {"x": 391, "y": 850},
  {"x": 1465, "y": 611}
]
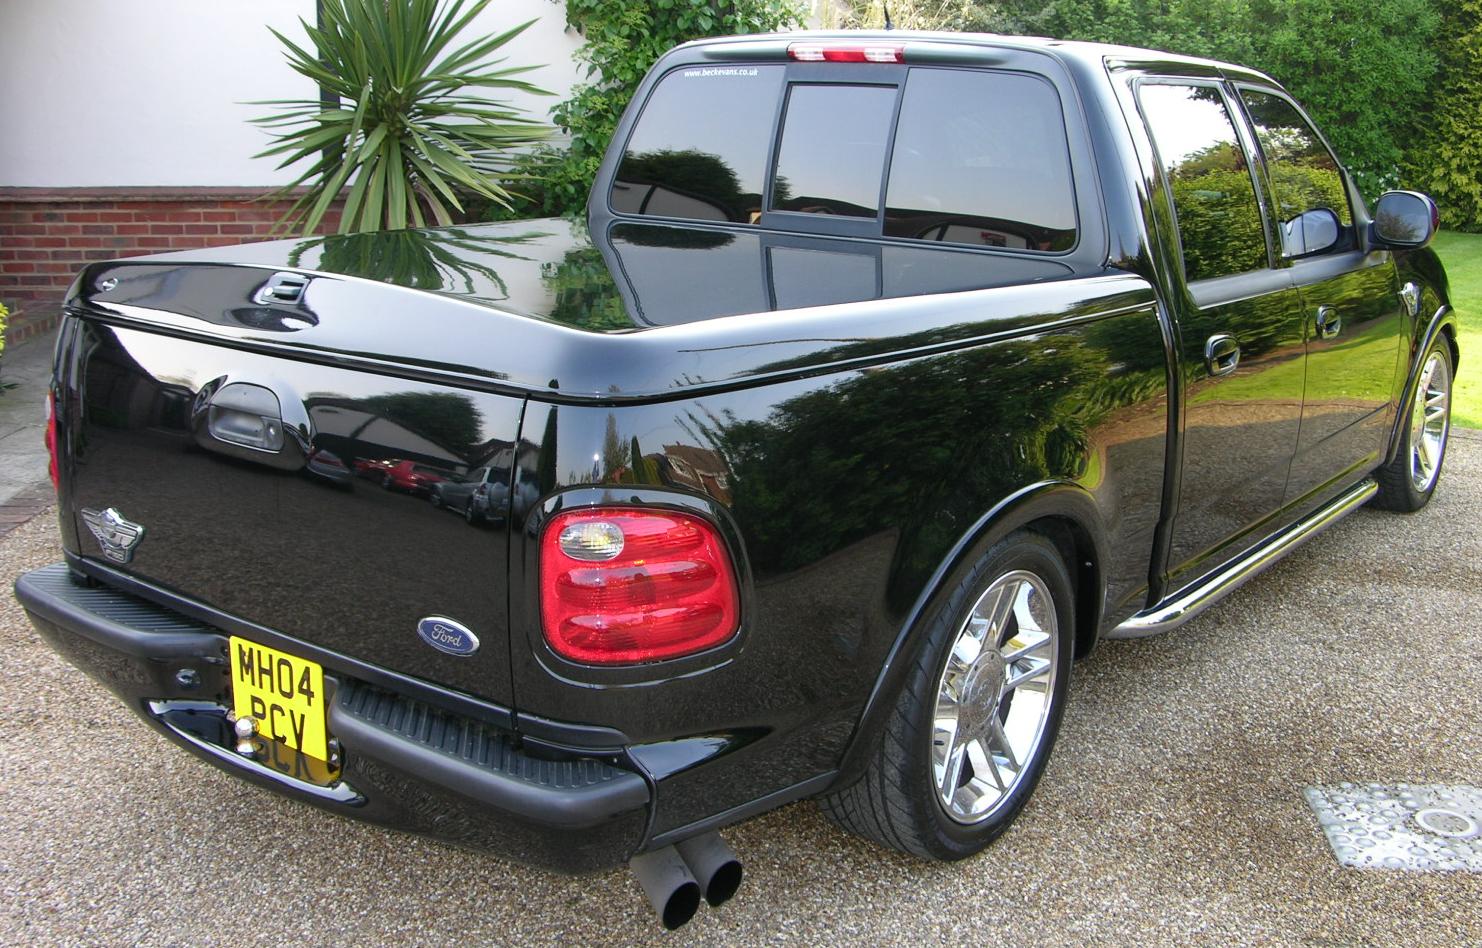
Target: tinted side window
[
  {"x": 819, "y": 277},
  {"x": 981, "y": 158},
  {"x": 833, "y": 150},
  {"x": 699, "y": 151},
  {"x": 1214, "y": 197},
  {"x": 1304, "y": 174},
  {"x": 665, "y": 265}
]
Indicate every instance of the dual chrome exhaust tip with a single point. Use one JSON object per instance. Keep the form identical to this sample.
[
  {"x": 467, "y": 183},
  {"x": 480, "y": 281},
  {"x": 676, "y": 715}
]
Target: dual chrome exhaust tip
[{"x": 676, "y": 877}]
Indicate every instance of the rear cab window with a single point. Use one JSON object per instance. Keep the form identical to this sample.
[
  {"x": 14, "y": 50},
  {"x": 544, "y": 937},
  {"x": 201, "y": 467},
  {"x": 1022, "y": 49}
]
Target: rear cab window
[
  {"x": 700, "y": 151},
  {"x": 834, "y": 140},
  {"x": 970, "y": 156},
  {"x": 981, "y": 158}
]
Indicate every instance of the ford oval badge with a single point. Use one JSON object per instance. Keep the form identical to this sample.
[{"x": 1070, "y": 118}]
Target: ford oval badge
[{"x": 445, "y": 635}]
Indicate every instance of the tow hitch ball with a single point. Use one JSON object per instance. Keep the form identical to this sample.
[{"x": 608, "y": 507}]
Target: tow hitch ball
[
  {"x": 245, "y": 729},
  {"x": 250, "y": 744}
]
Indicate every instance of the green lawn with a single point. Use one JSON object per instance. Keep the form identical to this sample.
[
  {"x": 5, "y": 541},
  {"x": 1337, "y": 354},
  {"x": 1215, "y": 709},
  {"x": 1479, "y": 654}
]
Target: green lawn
[{"x": 1462, "y": 254}]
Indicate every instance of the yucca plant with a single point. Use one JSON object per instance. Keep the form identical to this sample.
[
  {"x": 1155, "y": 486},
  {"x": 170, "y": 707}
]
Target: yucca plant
[
  {"x": 4, "y": 320},
  {"x": 408, "y": 134},
  {"x": 422, "y": 259}
]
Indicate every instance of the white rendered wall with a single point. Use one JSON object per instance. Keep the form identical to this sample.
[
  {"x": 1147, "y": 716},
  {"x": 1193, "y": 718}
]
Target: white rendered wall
[{"x": 114, "y": 93}]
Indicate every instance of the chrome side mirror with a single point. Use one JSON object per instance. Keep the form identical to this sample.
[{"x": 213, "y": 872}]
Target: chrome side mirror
[
  {"x": 1310, "y": 232},
  {"x": 1404, "y": 220}
]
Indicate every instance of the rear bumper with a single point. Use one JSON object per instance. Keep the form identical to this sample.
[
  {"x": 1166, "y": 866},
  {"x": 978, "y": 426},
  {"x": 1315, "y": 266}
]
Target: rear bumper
[{"x": 407, "y": 764}]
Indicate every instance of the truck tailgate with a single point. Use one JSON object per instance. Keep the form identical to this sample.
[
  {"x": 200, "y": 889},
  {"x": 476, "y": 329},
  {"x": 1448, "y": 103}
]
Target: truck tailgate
[{"x": 332, "y": 539}]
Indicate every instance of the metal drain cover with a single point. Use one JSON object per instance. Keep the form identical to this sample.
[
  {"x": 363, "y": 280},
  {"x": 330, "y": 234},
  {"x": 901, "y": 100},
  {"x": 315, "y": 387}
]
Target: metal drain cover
[{"x": 1404, "y": 826}]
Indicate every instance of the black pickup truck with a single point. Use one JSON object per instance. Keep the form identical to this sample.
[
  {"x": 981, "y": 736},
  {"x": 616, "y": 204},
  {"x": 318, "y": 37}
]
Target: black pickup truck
[{"x": 887, "y": 374}]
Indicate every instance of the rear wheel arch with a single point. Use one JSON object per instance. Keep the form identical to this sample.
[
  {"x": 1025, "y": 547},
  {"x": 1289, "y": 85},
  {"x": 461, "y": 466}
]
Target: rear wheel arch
[
  {"x": 964, "y": 745},
  {"x": 1078, "y": 549},
  {"x": 1064, "y": 513}
]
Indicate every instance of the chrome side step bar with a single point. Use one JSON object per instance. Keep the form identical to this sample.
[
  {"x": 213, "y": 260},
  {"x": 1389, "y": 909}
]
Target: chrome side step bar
[{"x": 1192, "y": 600}]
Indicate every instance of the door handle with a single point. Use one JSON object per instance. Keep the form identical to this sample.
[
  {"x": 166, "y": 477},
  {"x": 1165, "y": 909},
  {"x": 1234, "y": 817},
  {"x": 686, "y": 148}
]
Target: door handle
[
  {"x": 1221, "y": 354},
  {"x": 1329, "y": 323}
]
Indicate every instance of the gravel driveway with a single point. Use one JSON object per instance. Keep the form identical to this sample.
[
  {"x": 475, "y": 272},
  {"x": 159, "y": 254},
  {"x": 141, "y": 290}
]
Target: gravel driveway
[{"x": 1172, "y": 810}]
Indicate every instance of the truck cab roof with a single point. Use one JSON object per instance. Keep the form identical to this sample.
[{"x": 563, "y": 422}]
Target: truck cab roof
[{"x": 937, "y": 46}]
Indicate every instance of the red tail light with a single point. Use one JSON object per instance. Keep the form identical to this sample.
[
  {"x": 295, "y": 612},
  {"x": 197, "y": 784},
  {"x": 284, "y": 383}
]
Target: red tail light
[
  {"x": 622, "y": 585},
  {"x": 51, "y": 442},
  {"x": 820, "y": 53}
]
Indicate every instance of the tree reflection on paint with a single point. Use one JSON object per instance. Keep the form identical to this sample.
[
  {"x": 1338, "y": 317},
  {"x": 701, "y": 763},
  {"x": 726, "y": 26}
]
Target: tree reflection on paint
[
  {"x": 831, "y": 466},
  {"x": 420, "y": 259}
]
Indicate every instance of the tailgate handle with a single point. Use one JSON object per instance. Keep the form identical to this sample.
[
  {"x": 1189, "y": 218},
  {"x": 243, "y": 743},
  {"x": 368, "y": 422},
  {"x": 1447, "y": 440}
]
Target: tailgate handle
[{"x": 247, "y": 415}]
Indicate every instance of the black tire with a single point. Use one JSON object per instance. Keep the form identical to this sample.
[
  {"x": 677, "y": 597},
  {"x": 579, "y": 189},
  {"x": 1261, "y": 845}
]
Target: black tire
[
  {"x": 469, "y": 516},
  {"x": 387, "y": 482},
  {"x": 1398, "y": 487},
  {"x": 435, "y": 497},
  {"x": 895, "y": 802}
]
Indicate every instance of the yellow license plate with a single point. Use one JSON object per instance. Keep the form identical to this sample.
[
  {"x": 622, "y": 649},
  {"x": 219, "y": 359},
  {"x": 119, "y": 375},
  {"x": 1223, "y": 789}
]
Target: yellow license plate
[{"x": 283, "y": 693}]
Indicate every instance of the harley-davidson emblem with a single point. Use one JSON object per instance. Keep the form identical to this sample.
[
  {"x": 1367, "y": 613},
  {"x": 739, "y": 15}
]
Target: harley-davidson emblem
[{"x": 116, "y": 536}]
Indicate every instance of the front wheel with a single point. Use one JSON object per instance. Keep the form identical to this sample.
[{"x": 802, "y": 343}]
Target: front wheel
[
  {"x": 1407, "y": 482},
  {"x": 976, "y": 717}
]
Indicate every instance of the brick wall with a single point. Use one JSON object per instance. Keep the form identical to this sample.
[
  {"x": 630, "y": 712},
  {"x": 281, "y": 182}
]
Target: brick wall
[{"x": 47, "y": 235}]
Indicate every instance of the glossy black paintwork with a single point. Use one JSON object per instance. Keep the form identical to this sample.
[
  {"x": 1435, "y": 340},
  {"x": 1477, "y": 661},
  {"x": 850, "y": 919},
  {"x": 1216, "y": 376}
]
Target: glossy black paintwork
[
  {"x": 845, "y": 492},
  {"x": 1239, "y": 430},
  {"x": 857, "y": 415},
  {"x": 154, "y": 466},
  {"x": 575, "y": 339},
  {"x": 1335, "y": 442},
  {"x": 1026, "y": 385},
  {"x": 1348, "y": 407},
  {"x": 342, "y": 563}
]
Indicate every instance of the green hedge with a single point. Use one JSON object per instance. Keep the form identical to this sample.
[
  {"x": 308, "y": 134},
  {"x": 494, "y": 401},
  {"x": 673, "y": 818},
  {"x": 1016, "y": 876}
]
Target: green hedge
[
  {"x": 1361, "y": 67},
  {"x": 1445, "y": 152},
  {"x": 1396, "y": 85},
  {"x": 623, "y": 39}
]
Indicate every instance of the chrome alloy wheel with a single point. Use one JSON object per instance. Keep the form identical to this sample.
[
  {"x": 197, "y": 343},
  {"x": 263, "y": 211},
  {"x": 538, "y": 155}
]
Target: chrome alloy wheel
[
  {"x": 994, "y": 697},
  {"x": 1430, "y": 421}
]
